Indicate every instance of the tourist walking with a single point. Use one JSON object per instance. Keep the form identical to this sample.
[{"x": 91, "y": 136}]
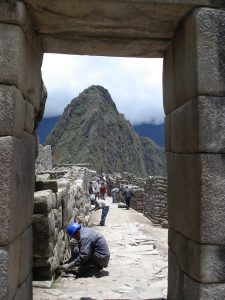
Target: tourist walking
[
  {"x": 92, "y": 253},
  {"x": 127, "y": 194},
  {"x": 114, "y": 192}
]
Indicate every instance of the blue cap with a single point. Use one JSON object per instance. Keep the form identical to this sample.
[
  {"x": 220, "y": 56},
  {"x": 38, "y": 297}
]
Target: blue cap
[{"x": 72, "y": 228}]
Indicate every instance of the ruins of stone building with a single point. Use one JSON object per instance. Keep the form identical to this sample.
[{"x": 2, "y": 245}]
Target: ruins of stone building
[
  {"x": 190, "y": 35},
  {"x": 58, "y": 203},
  {"x": 150, "y": 195}
]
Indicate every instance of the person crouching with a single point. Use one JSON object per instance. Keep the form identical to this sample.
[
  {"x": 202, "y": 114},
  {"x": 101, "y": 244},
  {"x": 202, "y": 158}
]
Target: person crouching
[{"x": 92, "y": 253}]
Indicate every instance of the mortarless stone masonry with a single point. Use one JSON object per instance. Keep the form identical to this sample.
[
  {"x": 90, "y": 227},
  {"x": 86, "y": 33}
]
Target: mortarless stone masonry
[
  {"x": 52, "y": 213},
  {"x": 155, "y": 201},
  {"x": 150, "y": 195}
]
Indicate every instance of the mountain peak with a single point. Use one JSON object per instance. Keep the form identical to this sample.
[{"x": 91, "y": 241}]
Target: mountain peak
[
  {"x": 91, "y": 130},
  {"x": 95, "y": 95}
]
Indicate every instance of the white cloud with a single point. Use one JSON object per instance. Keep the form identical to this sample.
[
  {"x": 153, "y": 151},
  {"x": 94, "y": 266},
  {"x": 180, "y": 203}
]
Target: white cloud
[{"x": 135, "y": 84}]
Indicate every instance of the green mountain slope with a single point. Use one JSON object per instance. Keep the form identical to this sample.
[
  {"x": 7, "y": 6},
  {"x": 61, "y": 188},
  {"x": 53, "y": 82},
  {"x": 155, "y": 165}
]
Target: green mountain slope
[{"x": 91, "y": 130}]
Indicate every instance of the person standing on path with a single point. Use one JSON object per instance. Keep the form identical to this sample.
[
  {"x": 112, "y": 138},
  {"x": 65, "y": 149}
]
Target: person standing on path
[
  {"x": 91, "y": 193},
  {"x": 103, "y": 190},
  {"x": 114, "y": 192},
  {"x": 127, "y": 194},
  {"x": 97, "y": 188},
  {"x": 102, "y": 204},
  {"x": 92, "y": 253}
]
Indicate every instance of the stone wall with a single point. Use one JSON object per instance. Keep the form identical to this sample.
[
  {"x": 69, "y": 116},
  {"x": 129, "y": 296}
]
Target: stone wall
[
  {"x": 133, "y": 180},
  {"x": 20, "y": 99},
  {"x": 53, "y": 211},
  {"x": 155, "y": 200},
  {"x": 150, "y": 195},
  {"x": 137, "y": 202},
  {"x": 44, "y": 159}
]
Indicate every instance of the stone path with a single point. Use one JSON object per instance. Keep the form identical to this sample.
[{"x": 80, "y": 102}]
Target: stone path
[{"x": 136, "y": 269}]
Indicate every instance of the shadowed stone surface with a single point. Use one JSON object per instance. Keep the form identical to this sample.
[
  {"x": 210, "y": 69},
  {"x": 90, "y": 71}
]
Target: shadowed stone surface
[
  {"x": 25, "y": 290},
  {"x": 175, "y": 278},
  {"x": 12, "y": 111},
  {"x": 197, "y": 126},
  {"x": 26, "y": 255},
  {"x": 43, "y": 202},
  {"x": 20, "y": 63},
  {"x": 183, "y": 287},
  {"x": 47, "y": 185},
  {"x": 113, "y": 28},
  {"x": 201, "y": 291},
  {"x": 195, "y": 59},
  {"x": 196, "y": 188},
  {"x": 17, "y": 185},
  {"x": 29, "y": 119},
  {"x": 204, "y": 263}
]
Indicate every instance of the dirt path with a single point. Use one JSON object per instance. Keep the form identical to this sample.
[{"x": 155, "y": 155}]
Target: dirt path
[{"x": 136, "y": 269}]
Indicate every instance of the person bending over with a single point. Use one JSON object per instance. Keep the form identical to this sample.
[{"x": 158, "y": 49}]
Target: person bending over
[
  {"x": 92, "y": 252},
  {"x": 102, "y": 204}
]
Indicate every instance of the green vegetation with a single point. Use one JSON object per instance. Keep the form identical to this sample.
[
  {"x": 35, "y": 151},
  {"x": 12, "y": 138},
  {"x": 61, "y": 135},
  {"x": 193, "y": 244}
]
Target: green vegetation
[{"x": 91, "y": 130}]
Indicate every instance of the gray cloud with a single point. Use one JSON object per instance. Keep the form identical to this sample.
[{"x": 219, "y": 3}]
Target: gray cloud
[{"x": 134, "y": 84}]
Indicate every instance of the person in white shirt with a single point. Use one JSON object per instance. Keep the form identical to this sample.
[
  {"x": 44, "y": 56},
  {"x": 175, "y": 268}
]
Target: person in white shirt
[{"x": 102, "y": 204}]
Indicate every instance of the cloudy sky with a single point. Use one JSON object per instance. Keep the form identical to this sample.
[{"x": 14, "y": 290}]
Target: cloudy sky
[{"x": 135, "y": 84}]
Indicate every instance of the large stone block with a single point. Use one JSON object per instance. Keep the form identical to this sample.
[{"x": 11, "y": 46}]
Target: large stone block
[
  {"x": 47, "y": 185},
  {"x": 26, "y": 255},
  {"x": 196, "y": 188},
  {"x": 10, "y": 268},
  {"x": 197, "y": 126},
  {"x": 20, "y": 63},
  {"x": 194, "y": 290},
  {"x": 12, "y": 111},
  {"x": 194, "y": 61},
  {"x": 204, "y": 263},
  {"x": 17, "y": 158},
  {"x": 175, "y": 278},
  {"x": 43, "y": 202},
  {"x": 25, "y": 290},
  {"x": 43, "y": 230},
  {"x": 181, "y": 286}
]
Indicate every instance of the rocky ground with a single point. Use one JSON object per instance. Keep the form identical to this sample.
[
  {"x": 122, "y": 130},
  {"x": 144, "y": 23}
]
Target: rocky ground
[{"x": 138, "y": 265}]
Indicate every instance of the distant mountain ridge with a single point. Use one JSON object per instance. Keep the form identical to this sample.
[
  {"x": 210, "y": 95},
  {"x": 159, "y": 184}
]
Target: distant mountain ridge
[
  {"x": 153, "y": 131},
  {"x": 91, "y": 130}
]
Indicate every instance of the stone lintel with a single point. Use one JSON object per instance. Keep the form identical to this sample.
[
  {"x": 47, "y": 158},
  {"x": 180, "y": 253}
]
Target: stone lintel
[{"x": 105, "y": 46}]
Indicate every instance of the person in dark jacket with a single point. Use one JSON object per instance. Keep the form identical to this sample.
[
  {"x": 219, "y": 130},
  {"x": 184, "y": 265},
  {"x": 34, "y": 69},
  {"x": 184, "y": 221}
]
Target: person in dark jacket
[
  {"x": 128, "y": 194},
  {"x": 92, "y": 252}
]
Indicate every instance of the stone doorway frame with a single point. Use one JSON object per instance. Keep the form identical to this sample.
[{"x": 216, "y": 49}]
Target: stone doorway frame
[{"x": 194, "y": 97}]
